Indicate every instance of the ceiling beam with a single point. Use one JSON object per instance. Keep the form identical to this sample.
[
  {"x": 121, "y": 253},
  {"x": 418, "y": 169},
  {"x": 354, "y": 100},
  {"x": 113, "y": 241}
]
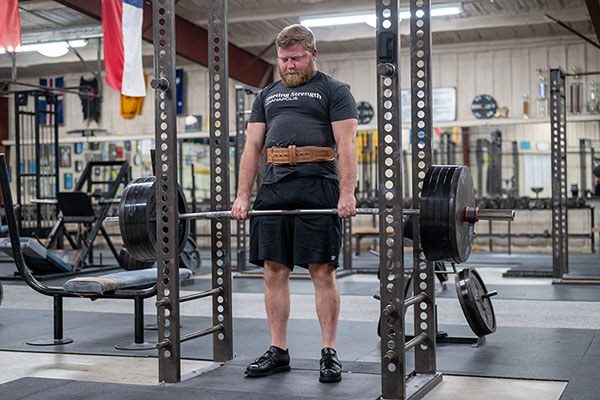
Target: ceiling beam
[
  {"x": 192, "y": 43},
  {"x": 292, "y": 10},
  {"x": 441, "y": 24},
  {"x": 593, "y": 7},
  {"x": 61, "y": 34}
]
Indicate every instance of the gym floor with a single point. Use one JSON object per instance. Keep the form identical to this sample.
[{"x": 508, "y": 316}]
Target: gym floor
[{"x": 544, "y": 348}]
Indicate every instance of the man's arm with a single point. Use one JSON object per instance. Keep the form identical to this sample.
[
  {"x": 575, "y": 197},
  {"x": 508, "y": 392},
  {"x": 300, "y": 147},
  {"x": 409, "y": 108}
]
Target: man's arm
[
  {"x": 255, "y": 138},
  {"x": 344, "y": 132}
]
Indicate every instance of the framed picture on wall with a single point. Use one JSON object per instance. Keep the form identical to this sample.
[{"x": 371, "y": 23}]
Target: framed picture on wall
[
  {"x": 65, "y": 156},
  {"x": 78, "y": 165},
  {"x": 68, "y": 179},
  {"x": 78, "y": 147}
]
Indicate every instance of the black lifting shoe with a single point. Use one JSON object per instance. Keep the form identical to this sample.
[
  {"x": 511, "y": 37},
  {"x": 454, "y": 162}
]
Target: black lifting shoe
[
  {"x": 274, "y": 361},
  {"x": 331, "y": 367}
]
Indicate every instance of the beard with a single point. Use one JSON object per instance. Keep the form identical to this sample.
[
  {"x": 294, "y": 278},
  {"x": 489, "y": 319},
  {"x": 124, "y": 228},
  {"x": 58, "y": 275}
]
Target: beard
[{"x": 298, "y": 77}]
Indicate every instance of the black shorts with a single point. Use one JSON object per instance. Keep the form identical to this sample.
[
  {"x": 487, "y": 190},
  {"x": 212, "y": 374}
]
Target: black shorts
[{"x": 296, "y": 239}]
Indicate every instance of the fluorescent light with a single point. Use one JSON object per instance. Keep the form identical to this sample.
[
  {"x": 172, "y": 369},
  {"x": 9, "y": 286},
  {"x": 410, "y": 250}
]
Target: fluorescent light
[
  {"x": 370, "y": 18},
  {"x": 338, "y": 20},
  {"x": 52, "y": 49},
  {"x": 445, "y": 11}
]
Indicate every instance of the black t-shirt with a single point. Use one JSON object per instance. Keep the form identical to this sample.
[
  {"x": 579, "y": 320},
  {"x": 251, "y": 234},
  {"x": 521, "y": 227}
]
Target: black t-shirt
[{"x": 302, "y": 116}]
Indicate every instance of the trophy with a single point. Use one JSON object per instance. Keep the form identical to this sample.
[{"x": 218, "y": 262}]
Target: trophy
[
  {"x": 593, "y": 103},
  {"x": 542, "y": 99},
  {"x": 575, "y": 92}
]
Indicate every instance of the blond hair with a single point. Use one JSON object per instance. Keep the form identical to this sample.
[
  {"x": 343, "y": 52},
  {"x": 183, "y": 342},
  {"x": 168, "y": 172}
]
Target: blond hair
[{"x": 296, "y": 34}]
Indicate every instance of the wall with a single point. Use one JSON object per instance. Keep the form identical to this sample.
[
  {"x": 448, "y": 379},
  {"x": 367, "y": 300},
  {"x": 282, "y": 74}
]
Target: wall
[{"x": 196, "y": 102}]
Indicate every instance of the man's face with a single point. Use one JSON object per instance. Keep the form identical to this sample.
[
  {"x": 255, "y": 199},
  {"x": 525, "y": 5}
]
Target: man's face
[{"x": 296, "y": 65}]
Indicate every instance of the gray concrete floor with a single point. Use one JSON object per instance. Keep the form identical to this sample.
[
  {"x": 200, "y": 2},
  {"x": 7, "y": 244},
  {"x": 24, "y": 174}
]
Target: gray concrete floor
[{"x": 519, "y": 313}]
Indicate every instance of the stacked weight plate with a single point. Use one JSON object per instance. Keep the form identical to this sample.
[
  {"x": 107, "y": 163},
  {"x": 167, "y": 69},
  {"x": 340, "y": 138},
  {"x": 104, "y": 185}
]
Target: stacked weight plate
[
  {"x": 137, "y": 219},
  {"x": 445, "y": 235}
]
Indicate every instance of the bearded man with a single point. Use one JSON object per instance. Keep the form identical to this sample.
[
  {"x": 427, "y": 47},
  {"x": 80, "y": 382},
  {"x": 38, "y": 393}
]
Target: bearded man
[{"x": 306, "y": 122}]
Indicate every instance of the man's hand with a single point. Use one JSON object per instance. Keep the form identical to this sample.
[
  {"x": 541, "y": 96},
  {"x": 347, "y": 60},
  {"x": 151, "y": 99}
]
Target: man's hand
[
  {"x": 347, "y": 206},
  {"x": 240, "y": 208}
]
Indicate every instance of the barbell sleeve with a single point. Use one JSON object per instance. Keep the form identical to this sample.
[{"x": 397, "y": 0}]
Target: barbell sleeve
[{"x": 472, "y": 214}]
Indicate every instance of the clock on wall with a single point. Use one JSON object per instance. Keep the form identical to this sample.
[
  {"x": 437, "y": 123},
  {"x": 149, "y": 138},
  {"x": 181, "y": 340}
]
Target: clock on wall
[{"x": 484, "y": 106}]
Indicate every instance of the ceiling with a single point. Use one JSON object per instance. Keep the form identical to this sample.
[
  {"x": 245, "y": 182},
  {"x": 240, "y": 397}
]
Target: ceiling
[{"x": 253, "y": 25}]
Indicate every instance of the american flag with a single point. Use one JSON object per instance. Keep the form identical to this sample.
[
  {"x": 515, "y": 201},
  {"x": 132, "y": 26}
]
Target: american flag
[{"x": 47, "y": 108}]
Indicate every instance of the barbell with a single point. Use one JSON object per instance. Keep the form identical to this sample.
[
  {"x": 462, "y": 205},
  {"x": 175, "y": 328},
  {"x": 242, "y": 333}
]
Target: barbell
[{"x": 447, "y": 215}]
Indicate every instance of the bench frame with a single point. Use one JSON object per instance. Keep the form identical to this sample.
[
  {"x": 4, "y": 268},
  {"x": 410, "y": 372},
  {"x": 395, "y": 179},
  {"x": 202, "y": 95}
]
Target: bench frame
[{"x": 58, "y": 293}]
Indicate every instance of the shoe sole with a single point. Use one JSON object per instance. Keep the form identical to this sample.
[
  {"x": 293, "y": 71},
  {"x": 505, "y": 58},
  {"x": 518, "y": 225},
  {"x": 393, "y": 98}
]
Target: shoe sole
[
  {"x": 277, "y": 370},
  {"x": 330, "y": 380}
]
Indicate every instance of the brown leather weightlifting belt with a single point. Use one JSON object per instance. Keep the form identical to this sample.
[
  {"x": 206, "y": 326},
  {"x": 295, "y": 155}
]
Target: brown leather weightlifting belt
[{"x": 293, "y": 155}]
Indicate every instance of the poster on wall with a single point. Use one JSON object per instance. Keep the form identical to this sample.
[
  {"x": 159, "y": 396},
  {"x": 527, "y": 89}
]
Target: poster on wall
[
  {"x": 65, "y": 156},
  {"x": 443, "y": 106},
  {"x": 68, "y": 179}
]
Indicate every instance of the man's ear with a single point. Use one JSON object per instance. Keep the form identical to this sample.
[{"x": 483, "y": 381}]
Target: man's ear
[{"x": 314, "y": 54}]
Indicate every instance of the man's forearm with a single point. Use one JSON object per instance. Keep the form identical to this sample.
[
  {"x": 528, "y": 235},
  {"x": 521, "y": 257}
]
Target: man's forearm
[
  {"x": 347, "y": 166},
  {"x": 247, "y": 172}
]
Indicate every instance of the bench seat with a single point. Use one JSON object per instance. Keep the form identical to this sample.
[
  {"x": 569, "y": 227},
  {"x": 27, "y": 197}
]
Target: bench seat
[{"x": 99, "y": 285}]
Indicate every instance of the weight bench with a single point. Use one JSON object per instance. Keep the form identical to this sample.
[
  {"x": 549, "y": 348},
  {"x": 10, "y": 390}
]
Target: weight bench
[
  {"x": 362, "y": 232},
  {"x": 133, "y": 285}
]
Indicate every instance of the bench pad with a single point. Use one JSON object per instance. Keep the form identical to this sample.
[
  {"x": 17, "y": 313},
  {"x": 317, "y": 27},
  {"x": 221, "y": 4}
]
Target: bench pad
[{"x": 87, "y": 285}]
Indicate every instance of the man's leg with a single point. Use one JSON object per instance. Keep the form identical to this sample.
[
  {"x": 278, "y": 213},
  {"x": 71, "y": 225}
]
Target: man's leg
[
  {"x": 277, "y": 301},
  {"x": 327, "y": 299}
]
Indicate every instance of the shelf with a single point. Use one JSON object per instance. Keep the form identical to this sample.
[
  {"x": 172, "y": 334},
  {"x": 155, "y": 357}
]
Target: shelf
[
  {"x": 493, "y": 122},
  {"x": 117, "y": 138}
]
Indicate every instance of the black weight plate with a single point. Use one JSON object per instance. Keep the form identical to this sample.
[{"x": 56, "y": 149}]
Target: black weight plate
[
  {"x": 434, "y": 216},
  {"x": 136, "y": 206},
  {"x": 190, "y": 257},
  {"x": 130, "y": 264},
  {"x": 484, "y": 106},
  {"x": 478, "y": 312},
  {"x": 462, "y": 195},
  {"x": 137, "y": 219}
]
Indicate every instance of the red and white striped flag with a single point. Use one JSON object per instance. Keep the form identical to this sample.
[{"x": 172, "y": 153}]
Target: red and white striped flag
[
  {"x": 10, "y": 26},
  {"x": 122, "y": 27}
]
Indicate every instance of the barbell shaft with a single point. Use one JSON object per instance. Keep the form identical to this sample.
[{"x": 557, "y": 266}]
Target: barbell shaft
[{"x": 485, "y": 214}]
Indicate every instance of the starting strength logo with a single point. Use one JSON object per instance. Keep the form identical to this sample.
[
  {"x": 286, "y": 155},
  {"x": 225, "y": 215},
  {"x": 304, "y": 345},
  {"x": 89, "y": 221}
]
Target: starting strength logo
[{"x": 292, "y": 96}]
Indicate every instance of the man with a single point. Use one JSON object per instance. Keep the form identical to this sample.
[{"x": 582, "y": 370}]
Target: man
[{"x": 301, "y": 120}]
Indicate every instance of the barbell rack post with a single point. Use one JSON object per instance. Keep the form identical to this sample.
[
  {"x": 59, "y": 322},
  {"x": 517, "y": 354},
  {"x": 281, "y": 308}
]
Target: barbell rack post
[
  {"x": 165, "y": 125},
  {"x": 391, "y": 262}
]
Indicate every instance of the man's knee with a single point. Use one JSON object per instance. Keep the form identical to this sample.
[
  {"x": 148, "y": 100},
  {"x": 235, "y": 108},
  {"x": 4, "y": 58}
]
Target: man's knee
[
  {"x": 322, "y": 274},
  {"x": 275, "y": 272}
]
